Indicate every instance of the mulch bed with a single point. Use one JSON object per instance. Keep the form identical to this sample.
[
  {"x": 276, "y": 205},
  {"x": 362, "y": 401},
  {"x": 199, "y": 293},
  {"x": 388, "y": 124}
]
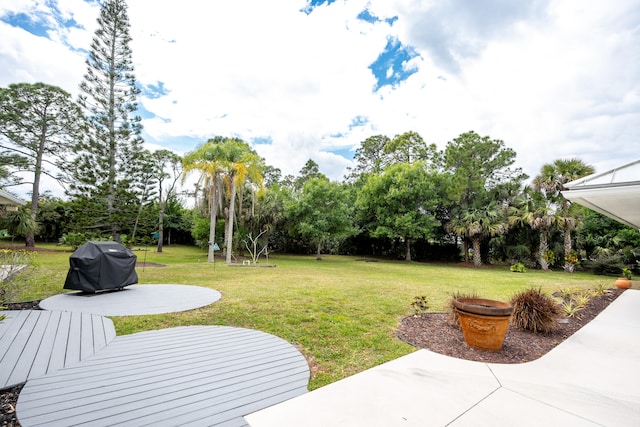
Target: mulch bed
[
  {"x": 435, "y": 332},
  {"x": 431, "y": 331}
]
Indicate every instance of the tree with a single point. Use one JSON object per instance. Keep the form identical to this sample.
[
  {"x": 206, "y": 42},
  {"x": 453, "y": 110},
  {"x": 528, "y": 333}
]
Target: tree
[
  {"x": 370, "y": 157},
  {"x": 228, "y": 161},
  {"x": 532, "y": 208},
  {"x": 479, "y": 175},
  {"x": 210, "y": 160},
  {"x": 241, "y": 163},
  {"x": 40, "y": 124},
  {"x": 107, "y": 162},
  {"x": 10, "y": 163},
  {"x": 478, "y": 222},
  {"x": 309, "y": 170},
  {"x": 165, "y": 160},
  {"x": 552, "y": 180},
  {"x": 409, "y": 147},
  {"x": 19, "y": 222},
  {"x": 401, "y": 204},
  {"x": 321, "y": 212}
]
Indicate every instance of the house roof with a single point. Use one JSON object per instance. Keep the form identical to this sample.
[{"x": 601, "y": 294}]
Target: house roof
[
  {"x": 615, "y": 193},
  {"x": 8, "y": 199}
]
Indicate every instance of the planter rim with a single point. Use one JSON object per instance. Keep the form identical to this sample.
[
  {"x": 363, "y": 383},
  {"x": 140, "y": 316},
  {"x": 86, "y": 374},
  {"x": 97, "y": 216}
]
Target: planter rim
[{"x": 482, "y": 306}]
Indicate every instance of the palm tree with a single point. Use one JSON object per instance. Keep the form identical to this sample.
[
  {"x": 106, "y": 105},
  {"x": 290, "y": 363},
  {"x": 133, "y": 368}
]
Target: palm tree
[
  {"x": 531, "y": 208},
  {"x": 19, "y": 223},
  {"x": 552, "y": 180},
  {"x": 210, "y": 160},
  {"x": 478, "y": 222},
  {"x": 239, "y": 163}
]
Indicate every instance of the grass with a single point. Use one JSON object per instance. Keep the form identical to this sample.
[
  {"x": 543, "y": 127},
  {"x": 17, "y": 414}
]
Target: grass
[{"x": 342, "y": 313}]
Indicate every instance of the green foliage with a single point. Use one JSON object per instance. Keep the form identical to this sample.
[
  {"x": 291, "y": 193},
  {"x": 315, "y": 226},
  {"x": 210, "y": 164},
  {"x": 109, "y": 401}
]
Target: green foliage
[
  {"x": 550, "y": 257},
  {"x": 570, "y": 308},
  {"x": 518, "y": 268},
  {"x": 40, "y": 123},
  {"x": 109, "y": 172},
  {"x": 19, "y": 223},
  {"x": 606, "y": 266},
  {"x": 420, "y": 304},
  {"x": 225, "y": 166},
  {"x": 573, "y": 301},
  {"x": 626, "y": 273},
  {"x": 534, "y": 311},
  {"x": 321, "y": 212},
  {"x": 401, "y": 203},
  {"x": 74, "y": 240},
  {"x": 600, "y": 289}
]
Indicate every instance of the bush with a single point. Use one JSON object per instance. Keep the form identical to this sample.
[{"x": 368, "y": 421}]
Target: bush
[
  {"x": 420, "y": 304},
  {"x": 75, "y": 240},
  {"x": 518, "y": 268},
  {"x": 609, "y": 266},
  {"x": 535, "y": 311}
]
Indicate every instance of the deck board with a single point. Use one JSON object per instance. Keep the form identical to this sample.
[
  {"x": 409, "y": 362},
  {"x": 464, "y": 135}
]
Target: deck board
[
  {"x": 37, "y": 342},
  {"x": 193, "y": 375}
]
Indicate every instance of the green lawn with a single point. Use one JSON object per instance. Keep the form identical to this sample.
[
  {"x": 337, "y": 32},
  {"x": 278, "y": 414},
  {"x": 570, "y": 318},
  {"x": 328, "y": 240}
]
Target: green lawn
[{"x": 342, "y": 312}]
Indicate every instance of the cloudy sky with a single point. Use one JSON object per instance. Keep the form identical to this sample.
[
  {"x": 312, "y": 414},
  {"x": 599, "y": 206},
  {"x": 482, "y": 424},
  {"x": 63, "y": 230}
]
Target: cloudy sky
[{"x": 311, "y": 79}]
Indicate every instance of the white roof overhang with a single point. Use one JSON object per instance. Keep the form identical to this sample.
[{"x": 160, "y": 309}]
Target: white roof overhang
[
  {"x": 615, "y": 193},
  {"x": 8, "y": 199}
]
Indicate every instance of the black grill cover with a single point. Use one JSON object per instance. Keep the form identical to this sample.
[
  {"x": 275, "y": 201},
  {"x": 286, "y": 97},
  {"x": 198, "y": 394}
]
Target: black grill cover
[{"x": 97, "y": 266}]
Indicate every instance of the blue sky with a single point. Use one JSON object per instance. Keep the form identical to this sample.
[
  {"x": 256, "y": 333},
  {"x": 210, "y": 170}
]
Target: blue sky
[{"x": 312, "y": 79}]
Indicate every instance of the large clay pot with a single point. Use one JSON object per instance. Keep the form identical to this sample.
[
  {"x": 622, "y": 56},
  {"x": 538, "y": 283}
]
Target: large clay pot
[
  {"x": 623, "y": 283},
  {"x": 484, "y": 322}
]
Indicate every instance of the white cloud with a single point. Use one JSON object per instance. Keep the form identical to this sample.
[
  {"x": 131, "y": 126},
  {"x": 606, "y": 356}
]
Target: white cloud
[{"x": 552, "y": 79}]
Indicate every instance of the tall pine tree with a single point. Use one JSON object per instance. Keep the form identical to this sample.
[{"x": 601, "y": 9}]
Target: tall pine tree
[{"x": 106, "y": 165}]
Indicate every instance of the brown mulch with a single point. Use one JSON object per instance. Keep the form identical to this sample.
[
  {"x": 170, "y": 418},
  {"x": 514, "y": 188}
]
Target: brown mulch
[
  {"x": 432, "y": 331},
  {"x": 435, "y": 332}
]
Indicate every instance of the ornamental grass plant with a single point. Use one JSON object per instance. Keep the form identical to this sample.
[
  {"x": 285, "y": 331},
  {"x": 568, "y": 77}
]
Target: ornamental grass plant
[{"x": 535, "y": 311}]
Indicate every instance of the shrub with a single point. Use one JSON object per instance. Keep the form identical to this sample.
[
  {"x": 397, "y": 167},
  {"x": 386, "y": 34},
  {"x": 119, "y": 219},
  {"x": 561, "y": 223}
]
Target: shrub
[
  {"x": 609, "y": 266},
  {"x": 518, "y": 268},
  {"x": 420, "y": 304},
  {"x": 75, "y": 240},
  {"x": 534, "y": 311}
]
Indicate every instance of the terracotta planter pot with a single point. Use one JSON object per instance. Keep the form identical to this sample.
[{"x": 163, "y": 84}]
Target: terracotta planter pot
[
  {"x": 623, "y": 283},
  {"x": 484, "y": 322}
]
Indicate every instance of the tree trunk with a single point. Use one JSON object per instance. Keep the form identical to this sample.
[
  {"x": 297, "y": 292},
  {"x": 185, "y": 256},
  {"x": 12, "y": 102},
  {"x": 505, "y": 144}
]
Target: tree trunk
[
  {"x": 318, "y": 257},
  {"x": 407, "y": 255},
  {"x": 30, "y": 240},
  {"x": 542, "y": 251},
  {"x": 568, "y": 266},
  {"x": 160, "y": 228},
  {"x": 212, "y": 225},
  {"x": 232, "y": 203},
  {"x": 465, "y": 248},
  {"x": 477, "y": 256}
]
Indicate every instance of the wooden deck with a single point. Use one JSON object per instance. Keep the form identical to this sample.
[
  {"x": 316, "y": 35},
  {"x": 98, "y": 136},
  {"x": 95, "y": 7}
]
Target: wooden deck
[
  {"x": 36, "y": 342},
  {"x": 194, "y": 375},
  {"x": 134, "y": 300}
]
